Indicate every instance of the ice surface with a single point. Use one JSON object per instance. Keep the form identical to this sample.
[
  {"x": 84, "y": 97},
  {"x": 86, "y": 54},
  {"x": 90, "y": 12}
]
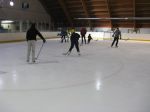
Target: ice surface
[{"x": 102, "y": 79}]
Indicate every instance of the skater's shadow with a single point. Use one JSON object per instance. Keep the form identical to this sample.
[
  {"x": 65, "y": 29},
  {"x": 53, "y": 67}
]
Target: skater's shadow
[
  {"x": 2, "y": 72},
  {"x": 47, "y": 62}
]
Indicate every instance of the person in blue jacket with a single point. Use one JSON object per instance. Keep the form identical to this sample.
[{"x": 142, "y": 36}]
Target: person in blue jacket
[
  {"x": 63, "y": 35},
  {"x": 74, "y": 42},
  {"x": 116, "y": 35}
]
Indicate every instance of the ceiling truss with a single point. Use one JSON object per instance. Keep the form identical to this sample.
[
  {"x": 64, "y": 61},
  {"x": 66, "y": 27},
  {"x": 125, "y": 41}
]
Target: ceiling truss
[{"x": 64, "y": 13}]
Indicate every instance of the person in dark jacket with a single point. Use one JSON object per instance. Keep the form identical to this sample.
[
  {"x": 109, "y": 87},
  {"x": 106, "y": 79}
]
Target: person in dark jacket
[
  {"x": 89, "y": 38},
  {"x": 31, "y": 40},
  {"x": 74, "y": 42},
  {"x": 116, "y": 35},
  {"x": 63, "y": 35},
  {"x": 83, "y": 33}
]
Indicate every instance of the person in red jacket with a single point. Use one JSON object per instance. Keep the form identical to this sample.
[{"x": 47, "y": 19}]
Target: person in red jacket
[
  {"x": 83, "y": 32},
  {"x": 31, "y": 40}
]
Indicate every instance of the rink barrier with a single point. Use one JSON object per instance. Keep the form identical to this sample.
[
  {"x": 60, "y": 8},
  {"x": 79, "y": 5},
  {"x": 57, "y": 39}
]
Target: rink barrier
[
  {"x": 18, "y": 37},
  {"x": 12, "y": 41}
]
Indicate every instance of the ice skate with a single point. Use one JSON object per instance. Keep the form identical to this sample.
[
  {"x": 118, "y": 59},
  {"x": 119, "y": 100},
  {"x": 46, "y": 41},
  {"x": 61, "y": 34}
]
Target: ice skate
[
  {"x": 33, "y": 61},
  {"x": 79, "y": 53},
  {"x": 68, "y": 53},
  {"x": 81, "y": 44}
]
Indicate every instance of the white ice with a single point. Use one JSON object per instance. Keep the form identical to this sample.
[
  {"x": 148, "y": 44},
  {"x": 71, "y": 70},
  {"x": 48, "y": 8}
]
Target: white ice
[{"x": 102, "y": 79}]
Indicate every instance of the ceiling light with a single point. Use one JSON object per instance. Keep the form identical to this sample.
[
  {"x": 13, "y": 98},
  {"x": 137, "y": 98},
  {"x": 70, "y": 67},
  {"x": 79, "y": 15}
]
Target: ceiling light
[
  {"x": 113, "y": 18},
  {"x": 11, "y": 3},
  {"x": 6, "y": 21}
]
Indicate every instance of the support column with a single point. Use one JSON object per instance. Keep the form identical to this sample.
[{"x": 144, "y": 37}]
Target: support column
[
  {"x": 20, "y": 26},
  {"x": 37, "y": 25},
  {"x": 49, "y": 25},
  {"x": 28, "y": 24}
]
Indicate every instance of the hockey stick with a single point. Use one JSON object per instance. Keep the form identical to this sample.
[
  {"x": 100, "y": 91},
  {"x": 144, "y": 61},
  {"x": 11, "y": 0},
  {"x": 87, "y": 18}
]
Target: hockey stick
[{"x": 39, "y": 51}]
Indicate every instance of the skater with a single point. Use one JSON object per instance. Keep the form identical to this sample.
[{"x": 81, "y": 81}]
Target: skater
[
  {"x": 116, "y": 35},
  {"x": 89, "y": 38},
  {"x": 74, "y": 42},
  {"x": 31, "y": 40},
  {"x": 83, "y": 33},
  {"x": 63, "y": 35}
]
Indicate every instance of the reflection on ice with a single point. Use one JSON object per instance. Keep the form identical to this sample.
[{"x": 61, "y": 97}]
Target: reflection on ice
[
  {"x": 98, "y": 85},
  {"x": 14, "y": 76},
  {"x": 1, "y": 83}
]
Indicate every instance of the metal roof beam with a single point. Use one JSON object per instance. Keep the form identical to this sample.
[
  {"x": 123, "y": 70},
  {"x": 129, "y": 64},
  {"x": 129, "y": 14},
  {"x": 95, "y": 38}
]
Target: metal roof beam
[
  {"x": 109, "y": 13},
  {"x": 134, "y": 13},
  {"x": 85, "y": 10},
  {"x": 62, "y": 4}
]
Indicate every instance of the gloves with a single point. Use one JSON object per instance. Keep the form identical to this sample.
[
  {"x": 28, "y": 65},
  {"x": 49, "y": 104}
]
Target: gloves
[{"x": 44, "y": 41}]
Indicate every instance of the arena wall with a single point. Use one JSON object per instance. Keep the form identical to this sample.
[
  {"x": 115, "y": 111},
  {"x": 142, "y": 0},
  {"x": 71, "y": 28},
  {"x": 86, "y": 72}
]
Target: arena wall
[{"x": 11, "y": 37}]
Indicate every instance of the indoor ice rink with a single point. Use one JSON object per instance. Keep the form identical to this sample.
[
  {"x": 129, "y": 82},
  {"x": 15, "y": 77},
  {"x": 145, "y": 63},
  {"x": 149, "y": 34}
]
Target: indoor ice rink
[{"x": 101, "y": 79}]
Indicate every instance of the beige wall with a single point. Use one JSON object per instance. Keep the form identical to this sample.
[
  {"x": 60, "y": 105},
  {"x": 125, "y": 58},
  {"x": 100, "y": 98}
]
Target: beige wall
[
  {"x": 36, "y": 12},
  {"x": 4, "y": 37},
  {"x": 96, "y": 35}
]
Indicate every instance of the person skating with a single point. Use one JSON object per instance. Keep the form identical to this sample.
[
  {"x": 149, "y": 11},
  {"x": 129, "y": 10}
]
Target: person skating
[
  {"x": 83, "y": 33},
  {"x": 74, "y": 42},
  {"x": 116, "y": 35},
  {"x": 63, "y": 35},
  {"x": 89, "y": 38},
  {"x": 31, "y": 40}
]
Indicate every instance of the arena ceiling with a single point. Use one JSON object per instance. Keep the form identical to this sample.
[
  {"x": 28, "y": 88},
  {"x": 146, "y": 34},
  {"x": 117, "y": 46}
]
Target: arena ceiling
[{"x": 99, "y": 13}]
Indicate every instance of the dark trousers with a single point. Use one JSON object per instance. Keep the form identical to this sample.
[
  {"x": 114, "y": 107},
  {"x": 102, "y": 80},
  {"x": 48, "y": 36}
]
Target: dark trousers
[
  {"x": 76, "y": 44},
  {"x": 63, "y": 38},
  {"x": 83, "y": 37},
  {"x": 89, "y": 41},
  {"x": 116, "y": 39}
]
